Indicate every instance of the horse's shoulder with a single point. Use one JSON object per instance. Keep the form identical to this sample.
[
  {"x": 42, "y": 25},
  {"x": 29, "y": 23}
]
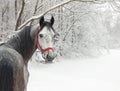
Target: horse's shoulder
[
  {"x": 12, "y": 55},
  {"x": 9, "y": 52}
]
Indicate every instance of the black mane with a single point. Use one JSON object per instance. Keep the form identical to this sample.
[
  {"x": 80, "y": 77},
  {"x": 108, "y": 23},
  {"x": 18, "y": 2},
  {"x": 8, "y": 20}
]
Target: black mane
[{"x": 23, "y": 43}]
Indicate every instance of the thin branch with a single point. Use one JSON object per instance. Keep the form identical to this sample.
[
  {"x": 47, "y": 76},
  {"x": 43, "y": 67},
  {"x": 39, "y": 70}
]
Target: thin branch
[
  {"x": 4, "y": 9},
  {"x": 68, "y": 30}
]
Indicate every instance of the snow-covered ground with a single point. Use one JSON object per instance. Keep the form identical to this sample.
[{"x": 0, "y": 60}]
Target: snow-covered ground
[{"x": 98, "y": 74}]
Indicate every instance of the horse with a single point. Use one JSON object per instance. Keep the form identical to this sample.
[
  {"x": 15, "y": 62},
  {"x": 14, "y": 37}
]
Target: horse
[{"x": 17, "y": 51}]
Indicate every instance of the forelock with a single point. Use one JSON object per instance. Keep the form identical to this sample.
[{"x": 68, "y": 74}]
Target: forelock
[
  {"x": 45, "y": 24},
  {"x": 48, "y": 25}
]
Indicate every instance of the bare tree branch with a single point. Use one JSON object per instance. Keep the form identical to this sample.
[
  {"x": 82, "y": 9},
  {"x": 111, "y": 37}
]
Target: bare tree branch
[{"x": 52, "y": 8}]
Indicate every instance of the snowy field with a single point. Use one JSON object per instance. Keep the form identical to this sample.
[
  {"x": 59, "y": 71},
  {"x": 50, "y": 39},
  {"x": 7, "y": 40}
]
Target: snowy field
[{"x": 98, "y": 74}]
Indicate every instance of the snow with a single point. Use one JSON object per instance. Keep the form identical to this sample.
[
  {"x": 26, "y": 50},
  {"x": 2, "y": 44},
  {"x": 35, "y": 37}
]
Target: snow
[{"x": 93, "y": 74}]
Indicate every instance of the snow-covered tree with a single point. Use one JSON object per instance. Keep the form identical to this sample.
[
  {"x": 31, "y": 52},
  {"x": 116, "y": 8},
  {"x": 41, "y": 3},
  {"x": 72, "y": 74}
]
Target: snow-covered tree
[{"x": 85, "y": 26}]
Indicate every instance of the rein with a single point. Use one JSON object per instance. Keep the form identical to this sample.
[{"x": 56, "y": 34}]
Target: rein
[{"x": 40, "y": 47}]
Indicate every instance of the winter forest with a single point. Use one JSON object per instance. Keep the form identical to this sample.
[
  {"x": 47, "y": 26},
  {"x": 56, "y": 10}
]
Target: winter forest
[
  {"x": 88, "y": 46},
  {"x": 85, "y": 26}
]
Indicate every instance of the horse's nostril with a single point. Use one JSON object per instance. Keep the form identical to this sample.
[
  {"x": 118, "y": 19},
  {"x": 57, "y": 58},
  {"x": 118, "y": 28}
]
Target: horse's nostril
[
  {"x": 49, "y": 58},
  {"x": 41, "y": 35}
]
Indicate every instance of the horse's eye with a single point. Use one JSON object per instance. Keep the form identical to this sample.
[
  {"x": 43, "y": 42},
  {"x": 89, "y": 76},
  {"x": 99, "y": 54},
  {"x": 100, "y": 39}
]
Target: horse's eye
[{"x": 41, "y": 35}]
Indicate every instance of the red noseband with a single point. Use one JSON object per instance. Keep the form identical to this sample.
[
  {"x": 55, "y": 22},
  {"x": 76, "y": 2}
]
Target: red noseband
[{"x": 41, "y": 49}]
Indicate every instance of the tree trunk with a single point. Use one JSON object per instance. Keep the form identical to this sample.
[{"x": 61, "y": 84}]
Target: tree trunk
[
  {"x": 19, "y": 17},
  {"x": 16, "y": 9},
  {"x": 7, "y": 21}
]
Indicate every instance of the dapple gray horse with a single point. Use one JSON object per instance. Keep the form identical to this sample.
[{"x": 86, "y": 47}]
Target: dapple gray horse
[{"x": 16, "y": 52}]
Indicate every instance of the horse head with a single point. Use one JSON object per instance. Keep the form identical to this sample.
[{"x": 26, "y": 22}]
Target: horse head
[{"x": 46, "y": 39}]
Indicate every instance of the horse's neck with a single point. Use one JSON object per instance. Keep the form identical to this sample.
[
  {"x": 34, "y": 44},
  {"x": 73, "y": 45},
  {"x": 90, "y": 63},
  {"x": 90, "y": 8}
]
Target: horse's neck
[{"x": 23, "y": 43}]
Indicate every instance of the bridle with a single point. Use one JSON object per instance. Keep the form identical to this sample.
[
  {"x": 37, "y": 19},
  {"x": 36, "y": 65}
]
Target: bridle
[
  {"x": 43, "y": 49},
  {"x": 40, "y": 47}
]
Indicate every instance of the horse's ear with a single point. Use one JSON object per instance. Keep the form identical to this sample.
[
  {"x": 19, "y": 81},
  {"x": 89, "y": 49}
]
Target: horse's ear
[
  {"x": 41, "y": 20},
  {"x": 52, "y": 20}
]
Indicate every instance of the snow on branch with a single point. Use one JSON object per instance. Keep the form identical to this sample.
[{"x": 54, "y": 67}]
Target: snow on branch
[{"x": 52, "y": 8}]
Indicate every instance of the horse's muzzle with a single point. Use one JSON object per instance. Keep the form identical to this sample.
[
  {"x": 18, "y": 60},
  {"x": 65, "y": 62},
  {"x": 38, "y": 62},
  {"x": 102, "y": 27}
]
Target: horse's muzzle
[{"x": 50, "y": 56}]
